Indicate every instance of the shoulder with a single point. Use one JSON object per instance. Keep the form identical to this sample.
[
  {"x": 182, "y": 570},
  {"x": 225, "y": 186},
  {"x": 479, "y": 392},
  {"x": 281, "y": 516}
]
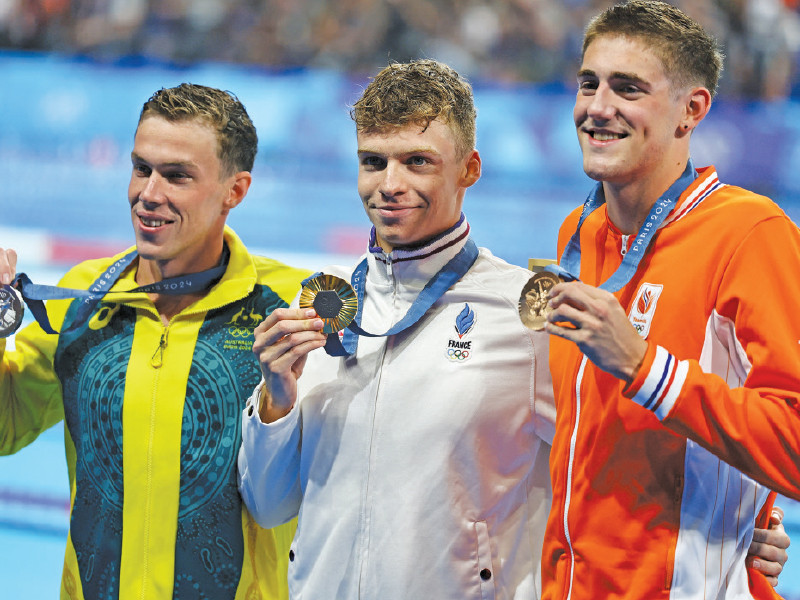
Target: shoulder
[
  {"x": 736, "y": 205},
  {"x": 281, "y": 278},
  {"x": 496, "y": 275},
  {"x": 85, "y": 273}
]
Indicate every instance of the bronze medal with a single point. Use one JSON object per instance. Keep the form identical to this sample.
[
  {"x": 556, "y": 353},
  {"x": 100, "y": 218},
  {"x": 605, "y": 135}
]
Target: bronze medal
[
  {"x": 533, "y": 302},
  {"x": 11, "y": 310},
  {"x": 333, "y": 299}
]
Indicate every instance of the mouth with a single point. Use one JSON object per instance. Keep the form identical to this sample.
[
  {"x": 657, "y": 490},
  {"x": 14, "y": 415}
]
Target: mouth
[
  {"x": 604, "y": 136},
  {"x": 392, "y": 211},
  {"x": 153, "y": 222}
]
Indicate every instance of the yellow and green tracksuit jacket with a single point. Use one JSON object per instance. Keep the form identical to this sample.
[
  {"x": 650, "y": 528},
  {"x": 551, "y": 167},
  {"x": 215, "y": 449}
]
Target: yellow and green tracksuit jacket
[{"x": 153, "y": 428}]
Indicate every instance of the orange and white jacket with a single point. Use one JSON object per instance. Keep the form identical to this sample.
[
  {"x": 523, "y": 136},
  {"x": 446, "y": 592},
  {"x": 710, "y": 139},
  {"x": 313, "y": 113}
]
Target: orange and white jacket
[{"x": 639, "y": 510}]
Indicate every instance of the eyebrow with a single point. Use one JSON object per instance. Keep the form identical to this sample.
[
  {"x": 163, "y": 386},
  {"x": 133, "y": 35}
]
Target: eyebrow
[
  {"x": 615, "y": 75},
  {"x": 180, "y": 164},
  {"x": 420, "y": 150}
]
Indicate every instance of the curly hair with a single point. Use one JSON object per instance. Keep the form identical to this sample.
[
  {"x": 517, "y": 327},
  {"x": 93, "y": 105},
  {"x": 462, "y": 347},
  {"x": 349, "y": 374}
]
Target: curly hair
[
  {"x": 418, "y": 92},
  {"x": 236, "y": 134},
  {"x": 689, "y": 55}
]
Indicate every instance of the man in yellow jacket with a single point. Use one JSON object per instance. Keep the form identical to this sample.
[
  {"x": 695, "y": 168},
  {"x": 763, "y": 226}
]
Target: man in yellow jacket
[{"x": 150, "y": 381}]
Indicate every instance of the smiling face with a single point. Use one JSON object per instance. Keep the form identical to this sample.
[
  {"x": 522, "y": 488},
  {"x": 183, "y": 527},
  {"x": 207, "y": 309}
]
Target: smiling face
[
  {"x": 178, "y": 195},
  {"x": 628, "y": 115},
  {"x": 412, "y": 182}
]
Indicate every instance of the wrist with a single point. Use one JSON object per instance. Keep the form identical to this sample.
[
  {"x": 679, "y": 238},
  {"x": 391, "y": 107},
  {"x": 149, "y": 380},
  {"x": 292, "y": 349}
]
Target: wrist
[{"x": 267, "y": 411}]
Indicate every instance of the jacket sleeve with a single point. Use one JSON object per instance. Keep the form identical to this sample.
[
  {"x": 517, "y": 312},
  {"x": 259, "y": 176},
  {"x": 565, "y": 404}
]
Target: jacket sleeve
[
  {"x": 751, "y": 417},
  {"x": 269, "y": 465},
  {"x": 30, "y": 393}
]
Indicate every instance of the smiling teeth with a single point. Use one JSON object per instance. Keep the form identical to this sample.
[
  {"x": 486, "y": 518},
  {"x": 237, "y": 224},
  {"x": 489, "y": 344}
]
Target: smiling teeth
[
  {"x": 152, "y": 223},
  {"x": 604, "y": 137}
]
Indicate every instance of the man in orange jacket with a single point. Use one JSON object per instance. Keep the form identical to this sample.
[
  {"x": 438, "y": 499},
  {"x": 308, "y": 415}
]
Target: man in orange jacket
[{"x": 674, "y": 347}]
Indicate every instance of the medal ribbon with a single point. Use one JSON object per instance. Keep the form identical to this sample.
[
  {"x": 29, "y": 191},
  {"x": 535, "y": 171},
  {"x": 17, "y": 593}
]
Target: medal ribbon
[
  {"x": 35, "y": 294},
  {"x": 569, "y": 267},
  {"x": 436, "y": 287}
]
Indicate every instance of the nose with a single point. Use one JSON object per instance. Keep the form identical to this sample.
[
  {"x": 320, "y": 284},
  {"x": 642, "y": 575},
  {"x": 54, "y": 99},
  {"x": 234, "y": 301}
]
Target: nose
[
  {"x": 152, "y": 191},
  {"x": 601, "y": 106},
  {"x": 393, "y": 182}
]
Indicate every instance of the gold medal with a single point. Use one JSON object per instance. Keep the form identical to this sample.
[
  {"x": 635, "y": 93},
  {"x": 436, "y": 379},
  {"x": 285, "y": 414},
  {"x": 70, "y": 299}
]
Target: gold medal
[
  {"x": 533, "y": 302},
  {"x": 333, "y": 299}
]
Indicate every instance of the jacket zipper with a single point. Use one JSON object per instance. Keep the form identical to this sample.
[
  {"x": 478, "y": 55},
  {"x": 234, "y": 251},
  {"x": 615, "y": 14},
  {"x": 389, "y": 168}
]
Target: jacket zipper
[
  {"x": 623, "y": 249},
  {"x": 158, "y": 356},
  {"x": 156, "y": 361}
]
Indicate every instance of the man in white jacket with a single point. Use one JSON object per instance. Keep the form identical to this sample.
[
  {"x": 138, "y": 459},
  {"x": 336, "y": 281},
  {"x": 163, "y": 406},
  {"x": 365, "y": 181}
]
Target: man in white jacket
[
  {"x": 418, "y": 464},
  {"x": 417, "y": 460}
]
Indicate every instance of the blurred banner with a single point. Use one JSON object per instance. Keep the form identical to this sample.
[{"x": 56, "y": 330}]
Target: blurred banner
[{"x": 67, "y": 125}]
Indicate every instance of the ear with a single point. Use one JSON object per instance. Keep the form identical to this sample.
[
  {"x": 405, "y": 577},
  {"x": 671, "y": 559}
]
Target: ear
[
  {"x": 239, "y": 185},
  {"x": 698, "y": 103},
  {"x": 472, "y": 169}
]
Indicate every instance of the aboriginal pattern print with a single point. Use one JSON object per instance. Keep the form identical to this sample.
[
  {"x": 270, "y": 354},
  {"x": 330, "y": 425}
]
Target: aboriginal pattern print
[{"x": 91, "y": 363}]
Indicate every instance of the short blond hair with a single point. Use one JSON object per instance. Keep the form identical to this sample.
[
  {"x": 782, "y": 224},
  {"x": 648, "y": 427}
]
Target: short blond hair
[
  {"x": 236, "y": 134},
  {"x": 418, "y": 92}
]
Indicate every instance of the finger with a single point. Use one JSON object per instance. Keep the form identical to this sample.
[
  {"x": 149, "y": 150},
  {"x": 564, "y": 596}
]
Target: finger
[
  {"x": 286, "y": 359},
  {"x": 771, "y": 570},
  {"x": 283, "y": 314},
  {"x": 776, "y": 516},
  {"x": 8, "y": 265},
  {"x": 774, "y": 536},
  {"x": 277, "y": 327}
]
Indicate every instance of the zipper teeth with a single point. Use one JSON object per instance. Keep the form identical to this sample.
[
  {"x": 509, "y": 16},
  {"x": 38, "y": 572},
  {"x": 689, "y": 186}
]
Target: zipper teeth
[
  {"x": 148, "y": 494},
  {"x": 572, "y": 444},
  {"x": 148, "y": 503}
]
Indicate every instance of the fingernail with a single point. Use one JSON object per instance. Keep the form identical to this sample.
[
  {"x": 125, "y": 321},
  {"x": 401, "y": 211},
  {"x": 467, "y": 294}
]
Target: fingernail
[
  {"x": 311, "y": 313},
  {"x": 756, "y": 564}
]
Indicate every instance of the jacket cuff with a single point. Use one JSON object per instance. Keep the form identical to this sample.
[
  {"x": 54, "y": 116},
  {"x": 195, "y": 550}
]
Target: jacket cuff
[
  {"x": 658, "y": 382},
  {"x": 253, "y": 416}
]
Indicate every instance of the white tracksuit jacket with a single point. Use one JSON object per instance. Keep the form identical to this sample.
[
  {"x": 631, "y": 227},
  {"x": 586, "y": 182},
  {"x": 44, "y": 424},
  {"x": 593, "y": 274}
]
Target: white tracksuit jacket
[{"x": 418, "y": 472}]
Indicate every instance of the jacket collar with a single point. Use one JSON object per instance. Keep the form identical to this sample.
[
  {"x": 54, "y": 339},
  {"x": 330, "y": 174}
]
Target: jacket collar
[
  {"x": 413, "y": 267},
  {"x": 237, "y": 282}
]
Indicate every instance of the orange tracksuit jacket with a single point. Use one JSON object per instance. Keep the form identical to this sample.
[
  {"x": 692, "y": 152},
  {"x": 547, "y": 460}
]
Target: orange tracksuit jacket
[{"x": 639, "y": 510}]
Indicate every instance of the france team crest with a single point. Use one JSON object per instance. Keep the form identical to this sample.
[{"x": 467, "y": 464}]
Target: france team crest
[{"x": 460, "y": 350}]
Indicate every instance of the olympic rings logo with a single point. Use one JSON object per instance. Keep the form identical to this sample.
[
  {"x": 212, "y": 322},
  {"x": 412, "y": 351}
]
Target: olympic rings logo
[
  {"x": 457, "y": 354},
  {"x": 240, "y": 332}
]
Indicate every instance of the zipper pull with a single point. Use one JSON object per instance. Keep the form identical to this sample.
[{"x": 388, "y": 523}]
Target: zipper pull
[
  {"x": 623, "y": 249},
  {"x": 158, "y": 356}
]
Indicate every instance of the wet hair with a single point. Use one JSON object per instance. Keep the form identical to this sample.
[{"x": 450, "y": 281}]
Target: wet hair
[
  {"x": 236, "y": 134},
  {"x": 418, "y": 92},
  {"x": 689, "y": 55}
]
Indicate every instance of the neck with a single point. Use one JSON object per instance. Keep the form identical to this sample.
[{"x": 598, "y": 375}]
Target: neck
[
  {"x": 630, "y": 203},
  {"x": 152, "y": 271}
]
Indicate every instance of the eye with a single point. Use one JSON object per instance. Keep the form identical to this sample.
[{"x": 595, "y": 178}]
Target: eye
[
  {"x": 587, "y": 86},
  {"x": 373, "y": 162},
  {"x": 177, "y": 176},
  {"x": 418, "y": 161},
  {"x": 141, "y": 170},
  {"x": 629, "y": 89}
]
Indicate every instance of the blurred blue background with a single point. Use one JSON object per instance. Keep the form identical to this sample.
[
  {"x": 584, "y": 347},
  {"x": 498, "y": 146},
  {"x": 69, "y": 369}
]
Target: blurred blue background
[{"x": 73, "y": 77}]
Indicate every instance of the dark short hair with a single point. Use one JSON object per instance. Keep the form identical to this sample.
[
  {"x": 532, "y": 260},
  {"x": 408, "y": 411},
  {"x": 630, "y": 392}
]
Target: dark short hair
[
  {"x": 689, "y": 55},
  {"x": 236, "y": 134},
  {"x": 418, "y": 92}
]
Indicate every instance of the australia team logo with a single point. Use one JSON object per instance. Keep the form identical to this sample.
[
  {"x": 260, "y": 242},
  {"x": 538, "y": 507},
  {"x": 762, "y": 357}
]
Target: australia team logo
[
  {"x": 240, "y": 329},
  {"x": 460, "y": 350},
  {"x": 644, "y": 307}
]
